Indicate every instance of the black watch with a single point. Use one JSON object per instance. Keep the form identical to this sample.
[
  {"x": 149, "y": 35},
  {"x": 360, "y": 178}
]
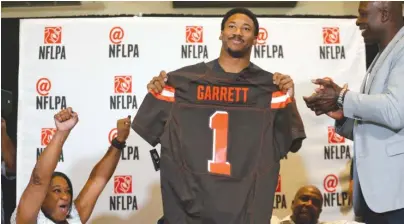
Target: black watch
[
  {"x": 117, "y": 144},
  {"x": 341, "y": 98}
]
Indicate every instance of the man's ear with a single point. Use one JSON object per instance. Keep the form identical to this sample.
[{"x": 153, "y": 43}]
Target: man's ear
[
  {"x": 221, "y": 35},
  {"x": 255, "y": 41},
  {"x": 386, "y": 13}
]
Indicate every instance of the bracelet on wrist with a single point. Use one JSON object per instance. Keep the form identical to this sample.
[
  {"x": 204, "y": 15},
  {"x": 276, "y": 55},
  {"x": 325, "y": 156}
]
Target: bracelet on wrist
[
  {"x": 117, "y": 144},
  {"x": 341, "y": 97}
]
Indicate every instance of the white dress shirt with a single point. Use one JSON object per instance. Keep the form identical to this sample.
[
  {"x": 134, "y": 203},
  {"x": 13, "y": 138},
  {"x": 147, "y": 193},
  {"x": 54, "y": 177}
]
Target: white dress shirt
[{"x": 288, "y": 220}]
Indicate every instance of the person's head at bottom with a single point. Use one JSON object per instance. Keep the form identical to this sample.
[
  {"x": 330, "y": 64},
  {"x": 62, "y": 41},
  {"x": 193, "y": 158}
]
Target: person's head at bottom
[
  {"x": 58, "y": 201},
  {"x": 307, "y": 205},
  {"x": 239, "y": 31}
]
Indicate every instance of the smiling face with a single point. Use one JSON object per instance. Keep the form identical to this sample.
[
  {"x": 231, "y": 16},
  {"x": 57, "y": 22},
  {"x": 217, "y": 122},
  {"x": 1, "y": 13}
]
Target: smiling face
[
  {"x": 238, "y": 35},
  {"x": 370, "y": 22},
  {"x": 58, "y": 200},
  {"x": 307, "y": 205}
]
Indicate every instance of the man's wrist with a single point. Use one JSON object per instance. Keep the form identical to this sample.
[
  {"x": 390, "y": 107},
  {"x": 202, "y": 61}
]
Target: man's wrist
[
  {"x": 62, "y": 133},
  {"x": 340, "y": 121},
  {"x": 121, "y": 140},
  {"x": 118, "y": 143}
]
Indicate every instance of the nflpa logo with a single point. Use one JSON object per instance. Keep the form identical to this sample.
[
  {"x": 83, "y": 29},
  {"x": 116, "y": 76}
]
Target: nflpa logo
[
  {"x": 194, "y": 34},
  {"x": 123, "y": 84},
  {"x": 262, "y": 36},
  {"x": 53, "y": 35},
  {"x": 279, "y": 186},
  {"x": 331, "y": 35},
  {"x": 334, "y": 137},
  {"x": 43, "y": 86},
  {"x": 112, "y": 134},
  {"x": 46, "y": 135},
  {"x": 123, "y": 184}
]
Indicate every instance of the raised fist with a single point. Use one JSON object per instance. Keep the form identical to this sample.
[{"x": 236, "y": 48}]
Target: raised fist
[
  {"x": 123, "y": 128},
  {"x": 66, "y": 119}
]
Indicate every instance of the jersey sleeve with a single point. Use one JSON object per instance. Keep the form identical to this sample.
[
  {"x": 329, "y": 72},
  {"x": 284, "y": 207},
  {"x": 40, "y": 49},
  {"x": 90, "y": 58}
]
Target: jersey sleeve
[
  {"x": 288, "y": 126},
  {"x": 153, "y": 113}
]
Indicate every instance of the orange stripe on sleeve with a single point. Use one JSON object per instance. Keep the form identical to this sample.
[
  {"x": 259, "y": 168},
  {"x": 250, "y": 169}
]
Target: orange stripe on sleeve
[
  {"x": 280, "y": 100},
  {"x": 168, "y": 94}
]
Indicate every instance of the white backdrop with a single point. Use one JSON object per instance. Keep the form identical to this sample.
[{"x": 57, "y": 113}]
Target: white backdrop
[{"x": 67, "y": 62}]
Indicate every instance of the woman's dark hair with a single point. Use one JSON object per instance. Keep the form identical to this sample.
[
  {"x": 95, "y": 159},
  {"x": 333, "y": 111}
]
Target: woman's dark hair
[{"x": 64, "y": 176}]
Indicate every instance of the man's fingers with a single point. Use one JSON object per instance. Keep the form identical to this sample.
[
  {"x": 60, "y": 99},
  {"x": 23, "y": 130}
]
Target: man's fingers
[
  {"x": 161, "y": 81},
  {"x": 310, "y": 99},
  {"x": 150, "y": 87},
  {"x": 285, "y": 79},
  {"x": 74, "y": 114},
  {"x": 276, "y": 78},
  {"x": 287, "y": 86},
  {"x": 321, "y": 82},
  {"x": 127, "y": 121},
  {"x": 58, "y": 118},
  {"x": 163, "y": 75},
  {"x": 318, "y": 90},
  {"x": 158, "y": 86},
  {"x": 66, "y": 116}
]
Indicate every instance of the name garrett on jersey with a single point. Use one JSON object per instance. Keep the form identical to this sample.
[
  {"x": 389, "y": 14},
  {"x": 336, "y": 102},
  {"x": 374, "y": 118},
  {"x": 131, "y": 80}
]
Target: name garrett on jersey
[{"x": 226, "y": 94}]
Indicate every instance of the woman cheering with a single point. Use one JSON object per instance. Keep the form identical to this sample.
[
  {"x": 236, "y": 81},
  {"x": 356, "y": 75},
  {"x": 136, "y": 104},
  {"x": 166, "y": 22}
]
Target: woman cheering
[{"x": 48, "y": 196}]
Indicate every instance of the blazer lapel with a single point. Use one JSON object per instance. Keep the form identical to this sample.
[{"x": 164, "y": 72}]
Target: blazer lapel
[
  {"x": 366, "y": 78},
  {"x": 382, "y": 57}
]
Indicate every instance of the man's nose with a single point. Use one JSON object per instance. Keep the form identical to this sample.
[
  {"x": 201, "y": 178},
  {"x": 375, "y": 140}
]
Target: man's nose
[
  {"x": 358, "y": 21},
  {"x": 237, "y": 31}
]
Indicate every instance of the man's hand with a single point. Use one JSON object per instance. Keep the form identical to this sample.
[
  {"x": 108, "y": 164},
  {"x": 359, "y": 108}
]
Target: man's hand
[
  {"x": 325, "y": 98},
  {"x": 123, "y": 127},
  {"x": 285, "y": 83},
  {"x": 157, "y": 83},
  {"x": 338, "y": 114},
  {"x": 66, "y": 119}
]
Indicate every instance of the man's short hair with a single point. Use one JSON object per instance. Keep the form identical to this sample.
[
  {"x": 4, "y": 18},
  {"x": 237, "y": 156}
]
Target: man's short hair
[{"x": 244, "y": 11}]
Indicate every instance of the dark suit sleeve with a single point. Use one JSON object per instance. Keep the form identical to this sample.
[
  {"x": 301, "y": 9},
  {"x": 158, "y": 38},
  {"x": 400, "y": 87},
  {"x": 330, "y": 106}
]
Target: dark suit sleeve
[
  {"x": 288, "y": 129},
  {"x": 153, "y": 114},
  {"x": 344, "y": 127}
]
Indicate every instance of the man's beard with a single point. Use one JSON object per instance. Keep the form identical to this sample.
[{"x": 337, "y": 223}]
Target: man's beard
[
  {"x": 237, "y": 54},
  {"x": 310, "y": 214}
]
